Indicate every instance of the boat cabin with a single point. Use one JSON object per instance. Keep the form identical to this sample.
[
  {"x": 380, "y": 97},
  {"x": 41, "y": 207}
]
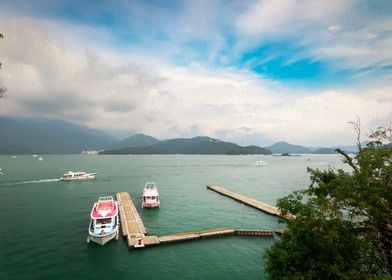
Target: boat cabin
[{"x": 150, "y": 195}]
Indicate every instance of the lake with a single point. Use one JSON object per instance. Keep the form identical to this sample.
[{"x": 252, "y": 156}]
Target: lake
[{"x": 45, "y": 221}]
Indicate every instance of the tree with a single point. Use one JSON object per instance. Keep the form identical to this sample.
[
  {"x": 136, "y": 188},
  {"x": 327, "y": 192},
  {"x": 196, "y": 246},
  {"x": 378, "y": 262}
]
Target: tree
[
  {"x": 2, "y": 89},
  {"x": 343, "y": 228}
]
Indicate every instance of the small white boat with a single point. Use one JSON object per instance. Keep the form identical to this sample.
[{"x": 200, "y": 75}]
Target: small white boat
[
  {"x": 1, "y": 172},
  {"x": 40, "y": 158},
  {"x": 104, "y": 223},
  {"x": 79, "y": 175},
  {"x": 260, "y": 163},
  {"x": 150, "y": 197}
]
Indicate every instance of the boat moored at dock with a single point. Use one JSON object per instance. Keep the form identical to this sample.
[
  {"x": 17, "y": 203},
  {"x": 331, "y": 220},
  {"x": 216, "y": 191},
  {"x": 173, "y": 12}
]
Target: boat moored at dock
[
  {"x": 150, "y": 197},
  {"x": 79, "y": 175},
  {"x": 104, "y": 223}
]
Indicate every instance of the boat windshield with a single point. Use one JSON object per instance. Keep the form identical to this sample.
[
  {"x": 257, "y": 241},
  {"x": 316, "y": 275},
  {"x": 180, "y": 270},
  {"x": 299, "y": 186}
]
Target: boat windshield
[
  {"x": 150, "y": 185},
  {"x": 148, "y": 198},
  {"x": 103, "y": 221}
]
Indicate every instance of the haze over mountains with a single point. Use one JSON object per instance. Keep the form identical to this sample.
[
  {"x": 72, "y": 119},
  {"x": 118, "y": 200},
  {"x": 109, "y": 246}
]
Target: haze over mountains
[
  {"x": 196, "y": 145},
  {"x": 44, "y": 136}
]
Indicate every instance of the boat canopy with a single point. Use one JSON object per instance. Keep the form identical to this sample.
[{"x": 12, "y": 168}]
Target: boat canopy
[
  {"x": 150, "y": 189},
  {"x": 106, "y": 207},
  {"x": 105, "y": 203}
]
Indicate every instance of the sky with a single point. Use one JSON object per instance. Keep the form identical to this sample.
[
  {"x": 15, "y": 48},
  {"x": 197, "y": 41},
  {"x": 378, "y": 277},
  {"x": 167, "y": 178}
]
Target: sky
[{"x": 253, "y": 71}]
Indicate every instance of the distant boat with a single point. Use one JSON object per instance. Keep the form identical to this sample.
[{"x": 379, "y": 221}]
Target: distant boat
[
  {"x": 79, "y": 175},
  {"x": 150, "y": 197},
  {"x": 260, "y": 163},
  {"x": 1, "y": 172},
  {"x": 13, "y": 156},
  {"x": 35, "y": 155},
  {"x": 104, "y": 223},
  {"x": 40, "y": 158}
]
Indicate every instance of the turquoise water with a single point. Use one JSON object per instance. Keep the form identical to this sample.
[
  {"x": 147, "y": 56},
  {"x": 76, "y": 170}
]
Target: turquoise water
[{"x": 44, "y": 222}]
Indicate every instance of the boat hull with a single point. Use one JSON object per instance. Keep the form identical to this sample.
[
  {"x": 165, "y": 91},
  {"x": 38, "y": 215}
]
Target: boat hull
[
  {"x": 150, "y": 205},
  {"x": 77, "y": 179},
  {"x": 78, "y": 175},
  {"x": 102, "y": 240}
]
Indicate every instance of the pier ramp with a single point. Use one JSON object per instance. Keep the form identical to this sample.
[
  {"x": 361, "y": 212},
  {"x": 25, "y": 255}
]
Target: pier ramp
[{"x": 272, "y": 210}]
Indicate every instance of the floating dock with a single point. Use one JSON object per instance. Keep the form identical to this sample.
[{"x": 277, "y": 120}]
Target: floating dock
[
  {"x": 178, "y": 237},
  {"x": 135, "y": 232},
  {"x": 132, "y": 226},
  {"x": 272, "y": 210},
  {"x": 253, "y": 232}
]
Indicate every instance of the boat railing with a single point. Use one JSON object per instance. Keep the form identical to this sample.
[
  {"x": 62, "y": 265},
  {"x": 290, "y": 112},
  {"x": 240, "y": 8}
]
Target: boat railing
[{"x": 106, "y": 198}]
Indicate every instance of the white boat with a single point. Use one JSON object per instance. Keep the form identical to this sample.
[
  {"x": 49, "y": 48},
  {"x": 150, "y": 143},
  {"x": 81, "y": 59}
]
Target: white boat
[
  {"x": 260, "y": 163},
  {"x": 40, "y": 158},
  {"x": 104, "y": 223},
  {"x": 79, "y": 175},
  {"x": 1, "y": 172},
  {"x": 150, "y": 197}
]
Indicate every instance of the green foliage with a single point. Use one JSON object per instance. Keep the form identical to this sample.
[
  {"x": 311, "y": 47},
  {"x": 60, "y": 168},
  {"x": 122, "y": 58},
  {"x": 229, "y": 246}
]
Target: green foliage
[{"x": 343, "y": 228}]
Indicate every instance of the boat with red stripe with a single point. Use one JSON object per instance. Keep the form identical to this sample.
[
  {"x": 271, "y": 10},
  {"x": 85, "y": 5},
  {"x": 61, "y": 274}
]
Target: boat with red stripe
[{"x": 104, "y": 223}]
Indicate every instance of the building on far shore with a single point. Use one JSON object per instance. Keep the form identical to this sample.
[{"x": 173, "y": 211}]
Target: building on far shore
[{"x": 90, "y": 152}]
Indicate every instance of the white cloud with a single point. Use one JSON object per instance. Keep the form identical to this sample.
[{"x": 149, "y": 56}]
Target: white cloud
[
  {"x": 344, "y": 33},
  {"x": 276, "y": 19},
  {"x": 125, "y": 91}
]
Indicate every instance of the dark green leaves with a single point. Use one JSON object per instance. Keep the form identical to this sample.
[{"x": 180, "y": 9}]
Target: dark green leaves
[{"x": 343, "y": 228}]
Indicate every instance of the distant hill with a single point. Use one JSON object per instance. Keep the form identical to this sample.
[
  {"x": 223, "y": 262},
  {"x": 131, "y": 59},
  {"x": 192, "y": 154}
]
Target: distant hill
[
  {"x": 351, "y": 149},
  {"x": 44, "y": 136},
  {"x": 137, "y": 140},
  {"x": 324, "y": 151},
  {"x": 284, "y": 147},
  {"x": 197, "y": 145},
  {"x": 250, "y": 150}
]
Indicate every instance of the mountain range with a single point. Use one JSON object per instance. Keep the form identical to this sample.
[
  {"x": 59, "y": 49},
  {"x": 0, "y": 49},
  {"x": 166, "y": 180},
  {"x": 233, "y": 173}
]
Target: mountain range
[
  {"x": 45, "y": 136},
  {"x": 284, "y": 147},
  {"x": 196, "y": 145},
  {"x": 137, "y": 140}
]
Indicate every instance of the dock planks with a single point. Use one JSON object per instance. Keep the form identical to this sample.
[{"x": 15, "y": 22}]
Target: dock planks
[
  {"x": 253, "y": 232},
  {"x": 196, "y": 235},
  {"x": 131, "y": 224},
  {"x": 272, "y": 210},
  {"x": 133, "y": 229}
]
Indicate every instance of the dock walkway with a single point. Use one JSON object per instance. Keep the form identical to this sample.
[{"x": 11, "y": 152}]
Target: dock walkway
[
  {"x": 131, "y": 224},
  {"x": 250, "y": 201},
  {"x": 177, "y": 237},
  {"x": 133, "y": 229}
]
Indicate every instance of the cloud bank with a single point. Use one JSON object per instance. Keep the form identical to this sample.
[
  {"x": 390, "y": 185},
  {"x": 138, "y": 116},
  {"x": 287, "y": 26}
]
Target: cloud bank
[{"x": 75, "y": 78}]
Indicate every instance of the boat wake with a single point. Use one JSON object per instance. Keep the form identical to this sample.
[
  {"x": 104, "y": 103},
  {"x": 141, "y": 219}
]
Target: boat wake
[{"x": 29, "y": 182}]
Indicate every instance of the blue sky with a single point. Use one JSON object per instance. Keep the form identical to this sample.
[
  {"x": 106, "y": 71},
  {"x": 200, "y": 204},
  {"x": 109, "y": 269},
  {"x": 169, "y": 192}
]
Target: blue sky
[{"x": 253, "y": 72}]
